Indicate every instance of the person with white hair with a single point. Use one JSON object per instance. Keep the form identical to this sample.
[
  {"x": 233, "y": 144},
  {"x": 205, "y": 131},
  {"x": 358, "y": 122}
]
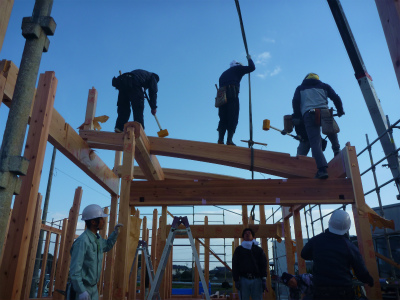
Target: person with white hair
[
  {"x": 229, "y": 112},
  {"x": 333, "y": 257}
]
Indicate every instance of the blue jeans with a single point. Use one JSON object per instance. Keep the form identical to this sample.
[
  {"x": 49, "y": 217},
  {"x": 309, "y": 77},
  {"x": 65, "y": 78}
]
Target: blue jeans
[
  {"x": 250, "y": 287},
  {"x": 314, "y": 136}
]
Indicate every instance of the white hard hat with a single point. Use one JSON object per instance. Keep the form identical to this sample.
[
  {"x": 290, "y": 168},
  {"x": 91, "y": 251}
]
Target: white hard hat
[
  {"x": 93, "y": 211},
  {"x": 340, "y": 222}
]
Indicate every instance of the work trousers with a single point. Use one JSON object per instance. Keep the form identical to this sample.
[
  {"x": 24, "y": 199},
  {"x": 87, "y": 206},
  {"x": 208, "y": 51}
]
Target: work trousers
[
  {"x": 229, "y": 112},
  {"x": 333, "y": 293},
  {"x": 250, "y": 288},
  {"x": 127, "y": 97},
  {"x": 314, "y": 136},
  {"x": 93, "y": 292},
  {"x": 303, "y": 148}
]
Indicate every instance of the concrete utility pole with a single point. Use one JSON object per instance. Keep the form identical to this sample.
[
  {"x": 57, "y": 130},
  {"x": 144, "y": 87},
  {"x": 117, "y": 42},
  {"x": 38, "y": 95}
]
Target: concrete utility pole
[{"x": 35, "y": 29}]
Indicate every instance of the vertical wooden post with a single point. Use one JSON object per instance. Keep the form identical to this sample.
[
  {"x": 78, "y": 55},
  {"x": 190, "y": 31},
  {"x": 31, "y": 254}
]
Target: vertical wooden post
[
  {"x": 235, "y": 244},
  {"x": 5, "y": 13},
  {"x": 54, "y": 264},
  {"x": 154, "y": 227},
  {"x": 5, "y": 239},
  {"x": 16, "y": 250},
  {"x": 120, "y": 278},
  {"x": 288, "y": 246},
  {"x": 61, "y": 251},
  {"x": 196, "y": 271},
  {"x": 44, "y": 263},
  {"x": 33, "y": 243},
  {"x": 110, "y": 258},
  {"x": 245, "y": 218},
  {"x": 299, "y": 242},
  {"x": 132, "y": 281},
  {"x": 90, "y": 109},
  {"x": 363, "y": 227},
  {"x": 62, "y": 277},
  {"x": 143, "y": 262},
  {"x": 102, "y": 233},
  {"x": 206, "y": 255},
  {"x": 264, "y": 246},
  {"x": 163, "y": 239}
]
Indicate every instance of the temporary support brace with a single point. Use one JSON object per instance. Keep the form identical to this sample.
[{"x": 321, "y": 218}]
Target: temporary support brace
[{"x": 155, "y": 285}]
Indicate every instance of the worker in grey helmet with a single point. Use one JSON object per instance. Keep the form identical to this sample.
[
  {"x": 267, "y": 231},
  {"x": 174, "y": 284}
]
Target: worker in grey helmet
[
  {"x": 333, "y": 257},
  {"x": 309, "y": 98},
  {"x": 87, "y": 254}
]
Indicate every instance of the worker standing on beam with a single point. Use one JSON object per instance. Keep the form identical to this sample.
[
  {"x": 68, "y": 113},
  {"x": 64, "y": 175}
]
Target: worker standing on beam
[
  {"x": 229, "y": 112},
  {"x": 310, "y": 101},
  {"x": 130, "y": 86},
  {"x": 87, "y": 255},
  {"x": 333, "y": 257},
  {"x": 249, "y": 268}
]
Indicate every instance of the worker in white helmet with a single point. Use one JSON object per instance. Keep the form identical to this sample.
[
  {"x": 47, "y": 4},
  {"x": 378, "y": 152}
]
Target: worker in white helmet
[
  {"x": 87, "y": 254},
  {"x": 334, "y": 256}
]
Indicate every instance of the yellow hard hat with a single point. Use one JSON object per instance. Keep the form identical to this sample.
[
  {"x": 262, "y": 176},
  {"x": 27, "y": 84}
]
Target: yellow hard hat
[{"x": 312, "y": 76}]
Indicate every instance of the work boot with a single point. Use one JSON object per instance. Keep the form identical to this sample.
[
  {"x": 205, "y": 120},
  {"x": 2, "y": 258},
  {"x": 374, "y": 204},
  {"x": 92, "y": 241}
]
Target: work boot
[
  {"x": 117, "y": 130},
  {"x": 221, "y": 136},
  {"x": 221, "y": 142},
  {"x": 322, "y": 173},
  {"x": 229, "y": 139},
  {"x": 230, "y": 143},
  {"x": 336, "y": 153}
]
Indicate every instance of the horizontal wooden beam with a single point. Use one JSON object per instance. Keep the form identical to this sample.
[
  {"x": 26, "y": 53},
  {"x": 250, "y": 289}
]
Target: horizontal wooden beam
[
  {"x": 53, "y": 229},
  {"x": 231, "y": 231},
  {"x": 274, "y": 163},
  {"x": 238, "y": 192}
]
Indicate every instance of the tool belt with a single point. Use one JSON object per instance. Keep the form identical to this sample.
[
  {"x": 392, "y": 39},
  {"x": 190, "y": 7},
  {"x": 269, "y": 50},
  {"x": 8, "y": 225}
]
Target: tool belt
[
  {"x": 249, "y": 276},
  {"x": 324, "y": 118},
  {"x": 287, "y": 123}
]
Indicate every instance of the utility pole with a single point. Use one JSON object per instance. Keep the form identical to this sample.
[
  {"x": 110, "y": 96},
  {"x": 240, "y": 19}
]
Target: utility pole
[
  {"x": 35, "y": 30},
  {"x": 367, "y": 88}
]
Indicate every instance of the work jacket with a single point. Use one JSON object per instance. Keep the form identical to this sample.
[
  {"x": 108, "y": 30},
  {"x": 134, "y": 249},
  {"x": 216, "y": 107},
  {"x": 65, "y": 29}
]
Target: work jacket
[
  {"x": 148, "y": 81},
  {"x": 311, "y": 94},
  {"x": 245, "y": 261},
  {"x": 87, "y": 259},
  {"x": 334, "y": 256},
  {"x": 234, "y": 75}
]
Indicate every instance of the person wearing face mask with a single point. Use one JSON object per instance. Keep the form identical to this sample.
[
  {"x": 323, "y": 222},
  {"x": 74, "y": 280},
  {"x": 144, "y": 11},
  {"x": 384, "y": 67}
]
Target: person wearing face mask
[
  {"x": 87, "y": 255},
  {"x": 300, "y": 286},
  {"x": 249, "y": 267}
]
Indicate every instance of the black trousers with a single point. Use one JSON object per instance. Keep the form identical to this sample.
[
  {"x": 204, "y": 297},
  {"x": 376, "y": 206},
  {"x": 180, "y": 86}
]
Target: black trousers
[
  {"x": 229, "y": 112},
  {"x": 333, "y": 293},
  {"x": 127, "y": 97}
]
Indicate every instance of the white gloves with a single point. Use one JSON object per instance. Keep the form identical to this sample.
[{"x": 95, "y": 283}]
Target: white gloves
[
  {"x": 117, "y": 229},
  {"x": 84, "y": 296}
]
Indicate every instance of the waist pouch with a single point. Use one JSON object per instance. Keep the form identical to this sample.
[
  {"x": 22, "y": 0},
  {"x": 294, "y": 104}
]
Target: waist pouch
[{"x": 328, "y": 123}]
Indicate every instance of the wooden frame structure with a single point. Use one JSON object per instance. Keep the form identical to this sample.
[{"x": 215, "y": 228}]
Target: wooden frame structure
[{"x": 165, "y": 187}]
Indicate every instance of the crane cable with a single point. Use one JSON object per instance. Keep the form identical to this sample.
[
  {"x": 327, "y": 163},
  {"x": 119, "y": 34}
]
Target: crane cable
[{"x": 250, "y": 142}]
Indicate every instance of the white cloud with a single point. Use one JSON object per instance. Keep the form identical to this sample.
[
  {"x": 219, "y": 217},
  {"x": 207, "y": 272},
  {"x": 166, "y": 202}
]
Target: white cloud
[
  {"x": 268, "y": 73},
  {"x": 263, "y": 58},
  {"x": 276, "y": 71},
  {"x": 262, "y": 75},
  {"x": 268, "y": 40}
]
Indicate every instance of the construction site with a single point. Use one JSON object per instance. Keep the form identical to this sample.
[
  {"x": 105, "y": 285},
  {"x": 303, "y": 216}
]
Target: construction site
[{"x": 180, "y": 183}]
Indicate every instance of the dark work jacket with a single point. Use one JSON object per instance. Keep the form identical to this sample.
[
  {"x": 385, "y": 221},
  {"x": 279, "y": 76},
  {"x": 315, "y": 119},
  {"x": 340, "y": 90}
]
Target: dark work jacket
[
  {"x": 233, "y": 75},
  {"x": 243, "y": 263},
  {"x": 313, "y": 93},
  {"x": 148, "y": 81},
  {"x": 334, "y": 256}
]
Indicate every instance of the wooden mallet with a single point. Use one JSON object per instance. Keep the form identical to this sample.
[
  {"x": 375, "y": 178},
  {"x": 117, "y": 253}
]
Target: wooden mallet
[{"x": 267, "y": 126}]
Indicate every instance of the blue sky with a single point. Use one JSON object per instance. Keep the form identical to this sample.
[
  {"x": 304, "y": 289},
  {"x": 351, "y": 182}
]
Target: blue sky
[{"x": 189, "y": 44}]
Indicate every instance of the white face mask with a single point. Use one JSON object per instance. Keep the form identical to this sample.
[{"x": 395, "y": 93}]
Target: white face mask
[{"x": 249, "y": 244}]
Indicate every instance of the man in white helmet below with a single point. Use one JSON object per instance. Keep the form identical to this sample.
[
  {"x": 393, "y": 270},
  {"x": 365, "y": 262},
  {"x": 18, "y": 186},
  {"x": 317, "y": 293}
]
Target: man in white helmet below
[
  {"x": 333, "y": 257},
  {"x": 87, "y": 254}
]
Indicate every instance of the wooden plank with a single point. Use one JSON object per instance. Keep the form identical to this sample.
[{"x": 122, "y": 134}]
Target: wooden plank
[
  {"x": 15, "y": 253},
  {"x": 336, "y": 167},
  {"x": 44, "y": 263},
  {"x": 10, "y": 72},
  {"x": 196, "y": 271},
  {"x": 5, "y": 13},
  {"x": 361, "y": 222},
  {"x": 33, "y": 243},
  {"x": 206, "y": 254},
  {"x": 143, "y": 263},
  {"x": 388, "y": 260},
  {"x": 54, "y": 264},
  {"x": 67, "y": 141},
  {"x": 63, "y": 238},
  {"x": 288, "y": 246},
  {"x": 161, "y": 245},
  {"x": 245, "y": 218},
  {"x": 2, "y": 87},
  {"x": 235, "y": 192},
  {"x": 230, "y": 231},
  {"x": 299, "y": 242},
  {"x": 264, "y": 246},
  {"x": 53, "y": 229},
  {"x": 120, "y": 278},
  {"x": 103, "y": 234},
  {"x": 62, "y": 277},
  {"x": 389, "y": 14},
  {"x": 274, "y": 163},
  {"x": 90, "y": 109},
  {"x": 154, "y": 239}
]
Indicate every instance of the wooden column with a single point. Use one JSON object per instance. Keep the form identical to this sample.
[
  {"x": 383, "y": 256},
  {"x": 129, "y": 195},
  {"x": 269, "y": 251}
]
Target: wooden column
[
  {"x": 299, "y": 242},
  {"x": 120, "y": 278},
  {"x": 15, "y": 252},
  {"x": 363, "y": 227},
  {"x": 196, "y": 272},
  {"x": 62, "y": 277},
  {"x": 103, "y": 234},
  {"x": 163, "y": 238},
  {"x": 289, "y": 246},
  {"x": 5, "y": 13},
  {"x": 132, "y": 281},
  {"x": 63, "y": 239},
  {"x": 44, "y": 263},
  {"x": 389, "y": 14},
  {"x": 143, "y": 262},
  {"x": 264, "y": 246},
  {"x": 206, "y": 255},
  {"x": 90, "y": 109},
  {"x": 110, "y": 258},
  {"x": 34, "y": 239},
  {"x": 54, "y": 264},
  {"x": 235, "y": 244},
  {"x": 154, "y": 257}
]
